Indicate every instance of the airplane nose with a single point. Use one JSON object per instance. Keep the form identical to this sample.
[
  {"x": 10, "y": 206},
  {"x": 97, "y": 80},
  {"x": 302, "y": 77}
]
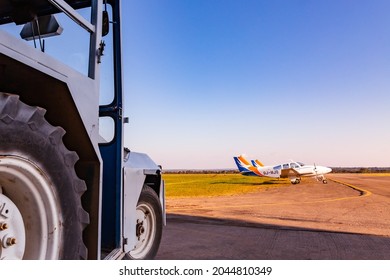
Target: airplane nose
[{"x": 323, "y": 169}]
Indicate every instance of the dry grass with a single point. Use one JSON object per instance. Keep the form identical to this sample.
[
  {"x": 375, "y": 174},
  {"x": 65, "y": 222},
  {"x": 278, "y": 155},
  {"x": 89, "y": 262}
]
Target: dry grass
[{"x": 377, "y": 174}]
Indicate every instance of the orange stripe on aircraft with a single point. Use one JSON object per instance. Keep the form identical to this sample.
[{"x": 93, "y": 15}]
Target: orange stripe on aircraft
[
  {"x": 259, "y": 162},
  {"x": 243, "y": 160},
  {"x": 255, "y": 170}
]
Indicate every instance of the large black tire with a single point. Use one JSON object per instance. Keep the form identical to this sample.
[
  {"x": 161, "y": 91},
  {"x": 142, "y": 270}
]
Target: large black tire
[
  {"x": 149, "y": 225},
  {"x": 38, "y": 178}
]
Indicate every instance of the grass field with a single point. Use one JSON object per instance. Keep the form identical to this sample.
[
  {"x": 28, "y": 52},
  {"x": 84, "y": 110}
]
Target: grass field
[{"x": 190, "y": 185}]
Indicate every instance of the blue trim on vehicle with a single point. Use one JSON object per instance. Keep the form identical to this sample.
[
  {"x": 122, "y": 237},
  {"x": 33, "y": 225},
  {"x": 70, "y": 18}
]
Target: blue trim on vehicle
[{"x": 112, "y": 152}]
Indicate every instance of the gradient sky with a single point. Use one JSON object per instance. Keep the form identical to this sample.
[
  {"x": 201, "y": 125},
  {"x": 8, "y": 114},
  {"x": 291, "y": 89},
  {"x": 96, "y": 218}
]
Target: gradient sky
[
  {"x": 306, "y": 80},
  {"x": 206, "y": 80}
]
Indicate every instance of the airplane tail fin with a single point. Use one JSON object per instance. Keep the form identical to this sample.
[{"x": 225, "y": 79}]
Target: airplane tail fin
[
  {"x": 257, "y": 163},
  {"x": 245, "y": 167},
  {"x": 242, "y": 164}
]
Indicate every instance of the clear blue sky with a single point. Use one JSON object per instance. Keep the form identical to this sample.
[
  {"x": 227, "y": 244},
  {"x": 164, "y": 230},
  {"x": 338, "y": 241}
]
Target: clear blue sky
[
  {"x": 306, "y": 80},
  {"x": 206, "y": 80}
]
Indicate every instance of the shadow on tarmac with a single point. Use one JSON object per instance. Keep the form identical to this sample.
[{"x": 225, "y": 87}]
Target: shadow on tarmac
[{"x": 199, "y": 238}]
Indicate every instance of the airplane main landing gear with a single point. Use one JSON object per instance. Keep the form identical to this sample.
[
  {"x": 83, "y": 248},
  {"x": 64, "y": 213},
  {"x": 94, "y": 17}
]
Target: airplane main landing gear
[{"x": 295, "y": 181}]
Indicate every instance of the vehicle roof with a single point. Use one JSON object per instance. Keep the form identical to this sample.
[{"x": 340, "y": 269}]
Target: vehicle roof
[{"x": 23, "y": 11}]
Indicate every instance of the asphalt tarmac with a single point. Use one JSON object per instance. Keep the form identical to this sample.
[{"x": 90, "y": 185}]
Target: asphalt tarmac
[{"x": 346, "y": 219}]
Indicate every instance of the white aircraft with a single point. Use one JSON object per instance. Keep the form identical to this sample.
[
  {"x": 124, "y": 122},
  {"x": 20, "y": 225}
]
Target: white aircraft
[{"x": 292, "y": 170}]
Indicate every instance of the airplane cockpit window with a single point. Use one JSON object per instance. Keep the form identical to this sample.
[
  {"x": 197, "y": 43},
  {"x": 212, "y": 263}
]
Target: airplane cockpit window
[
  {"x": 286, "y": 166},
  {"x": 294, "y": 165},
  {"x": 278, "y": 167},
  {"x": 301, "y": 164}
]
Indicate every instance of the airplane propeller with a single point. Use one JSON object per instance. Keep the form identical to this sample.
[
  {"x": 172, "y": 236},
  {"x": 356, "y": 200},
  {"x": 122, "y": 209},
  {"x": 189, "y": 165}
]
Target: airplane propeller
[{"x": 315, "y": 170}]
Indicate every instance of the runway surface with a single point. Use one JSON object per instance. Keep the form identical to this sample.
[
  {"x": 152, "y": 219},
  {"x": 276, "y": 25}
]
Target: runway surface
[{"x": 348, "y": 218}]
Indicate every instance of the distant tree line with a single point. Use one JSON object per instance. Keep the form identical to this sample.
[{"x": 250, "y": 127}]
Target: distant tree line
[
  {"x": 201, "y": 171},
  {"x": 234, "y": 171},
  {"x": 361, "y": 169}
]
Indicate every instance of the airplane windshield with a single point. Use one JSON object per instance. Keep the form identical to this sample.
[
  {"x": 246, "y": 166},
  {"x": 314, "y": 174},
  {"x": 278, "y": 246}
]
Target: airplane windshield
[{"x": 301, "y": 164}]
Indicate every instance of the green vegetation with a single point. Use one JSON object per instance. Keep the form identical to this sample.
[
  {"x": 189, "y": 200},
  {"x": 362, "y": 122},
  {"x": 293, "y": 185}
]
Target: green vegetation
[{"x": 190, "y": 185}]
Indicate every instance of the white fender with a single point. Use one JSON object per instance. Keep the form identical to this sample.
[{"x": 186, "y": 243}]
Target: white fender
[{"x": 136, "y": 168}]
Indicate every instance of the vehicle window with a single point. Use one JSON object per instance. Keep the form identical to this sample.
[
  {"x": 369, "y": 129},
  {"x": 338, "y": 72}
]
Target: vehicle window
[
  {"x": 278, "y": 167},
  {"x": 286, "y": 166},
  {"x": 107, "y": 90},
  {"x": 106, "y": 129},
  {"x": 72, "y": 48}
]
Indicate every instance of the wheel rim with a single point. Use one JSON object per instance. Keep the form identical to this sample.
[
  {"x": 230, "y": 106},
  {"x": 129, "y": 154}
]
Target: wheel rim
[
  {"x": 26, "y": 188},
  {"x": 145, "y": 231},
  {"x": 12, "y": 232}
]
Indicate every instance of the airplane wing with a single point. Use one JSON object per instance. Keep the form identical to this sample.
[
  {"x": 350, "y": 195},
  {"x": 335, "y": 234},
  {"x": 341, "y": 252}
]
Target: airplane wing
[{"x": 288, "y": 172}]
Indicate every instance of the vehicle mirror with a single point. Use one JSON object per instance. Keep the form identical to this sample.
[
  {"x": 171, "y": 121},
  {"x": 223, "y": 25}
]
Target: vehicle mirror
[{"x": 105, "y": 24}]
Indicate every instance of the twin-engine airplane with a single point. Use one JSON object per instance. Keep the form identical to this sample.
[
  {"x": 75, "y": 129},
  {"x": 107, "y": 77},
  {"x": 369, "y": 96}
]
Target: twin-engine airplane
[{"x": 292, "y": 170}]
